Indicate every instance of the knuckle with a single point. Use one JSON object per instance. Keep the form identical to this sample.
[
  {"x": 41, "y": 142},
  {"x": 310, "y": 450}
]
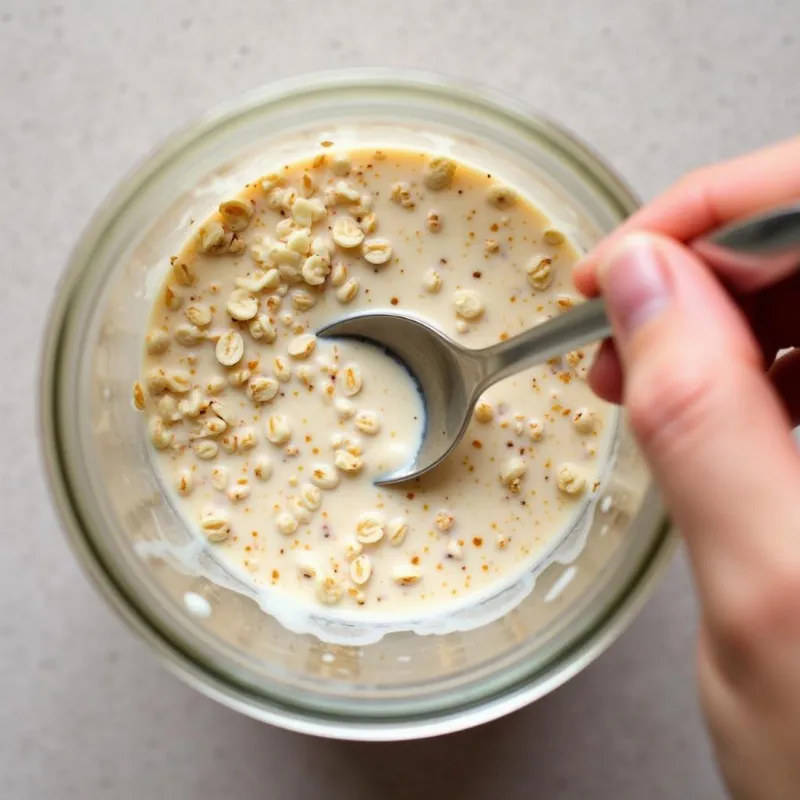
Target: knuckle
[
  {"x": 695, "y": 183},
  {"x": 674, "y": 408},
  {"x": 698, "y": 190},
  {"x": 735, "y": 630},
  {"x": 777, "y": 606},
  {"x": 695, "y": 179},
  {"x": 747, "y": 627}
]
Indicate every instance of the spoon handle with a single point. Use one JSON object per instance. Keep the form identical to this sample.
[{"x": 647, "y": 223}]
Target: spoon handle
[
  {"x": 767, "y": 244},
  {"x": 587, "y": 322},
  {"x": 775, "y": 232}
]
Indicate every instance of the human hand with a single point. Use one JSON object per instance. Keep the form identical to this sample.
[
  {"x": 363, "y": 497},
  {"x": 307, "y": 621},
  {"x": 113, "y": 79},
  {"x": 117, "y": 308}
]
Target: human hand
[{"x": 712, "y": 411}]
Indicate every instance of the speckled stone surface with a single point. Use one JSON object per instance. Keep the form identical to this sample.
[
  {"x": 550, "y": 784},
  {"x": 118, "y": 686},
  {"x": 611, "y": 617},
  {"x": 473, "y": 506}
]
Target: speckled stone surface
[{"x": 88, "y": 87}]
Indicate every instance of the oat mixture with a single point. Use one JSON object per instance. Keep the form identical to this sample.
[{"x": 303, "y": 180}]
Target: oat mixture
[{"x": 270, "y": 439}]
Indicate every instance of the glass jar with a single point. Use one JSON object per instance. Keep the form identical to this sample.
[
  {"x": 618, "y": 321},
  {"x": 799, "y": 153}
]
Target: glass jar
[{"x": 202, "y": 623}]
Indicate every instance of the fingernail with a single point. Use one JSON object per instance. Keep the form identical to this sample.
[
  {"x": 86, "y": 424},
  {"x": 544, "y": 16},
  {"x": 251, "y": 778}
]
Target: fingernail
[{"x": 634, "y": 282}]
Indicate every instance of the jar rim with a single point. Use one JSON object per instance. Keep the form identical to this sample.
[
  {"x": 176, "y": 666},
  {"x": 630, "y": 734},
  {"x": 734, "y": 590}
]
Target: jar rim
[{"x": 204, "y": 676}]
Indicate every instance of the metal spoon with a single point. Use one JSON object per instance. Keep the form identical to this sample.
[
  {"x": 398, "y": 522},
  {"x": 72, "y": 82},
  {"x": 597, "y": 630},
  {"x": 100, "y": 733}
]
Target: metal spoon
[{"x": 451, "y": 378}]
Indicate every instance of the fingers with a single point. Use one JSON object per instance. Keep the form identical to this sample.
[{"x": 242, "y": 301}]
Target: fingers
[
  {"x": 711, "y": 425},
  {"x": 785, "y": 375},
  {"x": 707, "y": 199}
]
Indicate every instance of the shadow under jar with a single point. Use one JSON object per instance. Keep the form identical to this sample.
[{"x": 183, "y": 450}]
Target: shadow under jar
[{"x": 204, "y": 624}]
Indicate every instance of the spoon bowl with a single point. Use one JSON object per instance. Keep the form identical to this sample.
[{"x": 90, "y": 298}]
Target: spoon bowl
[{"x": 449, "y": 378}]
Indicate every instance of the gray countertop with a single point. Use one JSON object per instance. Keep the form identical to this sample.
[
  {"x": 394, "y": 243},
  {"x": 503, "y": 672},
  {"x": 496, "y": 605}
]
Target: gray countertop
[{"x": 88, "y": 87}]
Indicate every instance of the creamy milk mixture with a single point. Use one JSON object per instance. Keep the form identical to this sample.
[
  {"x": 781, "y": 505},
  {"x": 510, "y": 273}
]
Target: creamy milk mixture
[{"x": 271, "y": 439}]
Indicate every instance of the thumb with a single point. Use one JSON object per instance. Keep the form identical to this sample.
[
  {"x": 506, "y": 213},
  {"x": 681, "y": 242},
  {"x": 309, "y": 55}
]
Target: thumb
[{"x": 710, "y": 424}]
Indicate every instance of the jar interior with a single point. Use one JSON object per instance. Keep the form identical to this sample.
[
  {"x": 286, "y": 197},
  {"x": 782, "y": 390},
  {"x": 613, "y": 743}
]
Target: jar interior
[{"x": 165, "y": 574}]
